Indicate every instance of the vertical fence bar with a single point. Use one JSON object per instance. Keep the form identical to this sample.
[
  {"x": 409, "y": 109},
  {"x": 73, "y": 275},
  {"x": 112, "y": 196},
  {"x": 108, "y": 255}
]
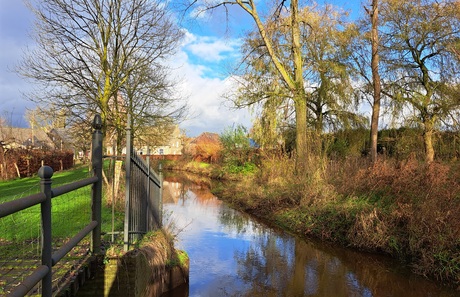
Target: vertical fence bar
[
  {"x": 114, "y": 161},
  {"x": 45, "y": 173},
  {"x": 133, "y": 207},
  {"x": 127, "y": 185},
  {"x": 145, "y": 198},
  {"x": 160, "y": 198},
  {"x": 134, "y": 201},
  {"x": 97, "y": 186},
  {"x": 149, "y": 204}
]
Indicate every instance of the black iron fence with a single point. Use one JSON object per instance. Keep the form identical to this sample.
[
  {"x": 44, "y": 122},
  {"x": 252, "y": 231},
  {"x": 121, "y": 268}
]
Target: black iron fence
[
  {"x": 51, "y": 255},
  {"x": 142, "y": 213},
  {"x": 143, "y": 202}
]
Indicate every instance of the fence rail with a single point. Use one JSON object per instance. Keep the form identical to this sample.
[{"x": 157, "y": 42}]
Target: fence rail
[
  {"x": 143, "y": 211},
  {"x": 14, "y": 206},
  {"x": 49, "y": 259}
]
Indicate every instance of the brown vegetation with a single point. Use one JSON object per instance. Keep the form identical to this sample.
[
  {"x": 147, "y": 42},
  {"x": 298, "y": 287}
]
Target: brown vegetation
[
  {"x": 205, "y": 148},
  {"x": 405, "y": 209},
  {"x": 414, "y": 213},
  {"x": 26, "y": 162}
]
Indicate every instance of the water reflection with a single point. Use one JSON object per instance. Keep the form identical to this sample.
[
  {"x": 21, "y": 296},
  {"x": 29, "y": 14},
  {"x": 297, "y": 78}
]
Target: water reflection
[{"x": 234, "y": 255}]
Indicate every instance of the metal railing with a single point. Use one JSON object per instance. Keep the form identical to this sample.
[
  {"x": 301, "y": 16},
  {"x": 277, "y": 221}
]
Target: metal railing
[
  {"x": 43, "y": 272},
  {"x": 143, "y": 200}
]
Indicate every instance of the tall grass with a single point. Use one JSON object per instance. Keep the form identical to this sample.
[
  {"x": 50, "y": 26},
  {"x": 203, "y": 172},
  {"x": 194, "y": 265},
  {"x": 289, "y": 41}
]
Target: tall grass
[
  {"x": 408, "y": 209},
  {"x": 414, "y": 212}
]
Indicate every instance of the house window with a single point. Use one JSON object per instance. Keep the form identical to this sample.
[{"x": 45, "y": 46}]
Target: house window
[{"x": 161, "y": 151}]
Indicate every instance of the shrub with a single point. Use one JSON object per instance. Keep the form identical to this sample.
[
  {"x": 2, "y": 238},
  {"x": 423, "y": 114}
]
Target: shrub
[
  {"x": 26, "y": 162},
  {"x": 415, "y": 215}
]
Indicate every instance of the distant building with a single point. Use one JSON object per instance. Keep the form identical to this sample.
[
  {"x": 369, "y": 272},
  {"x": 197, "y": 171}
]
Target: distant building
[
  {"x": 61, "y": 139},
  {"x": 173, "y": 146},
  {"x": 12, "y": 137}
]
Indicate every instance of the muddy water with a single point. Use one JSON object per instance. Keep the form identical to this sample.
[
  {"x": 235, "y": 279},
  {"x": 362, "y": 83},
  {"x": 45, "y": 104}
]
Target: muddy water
[{"x": 232, "y": 254}]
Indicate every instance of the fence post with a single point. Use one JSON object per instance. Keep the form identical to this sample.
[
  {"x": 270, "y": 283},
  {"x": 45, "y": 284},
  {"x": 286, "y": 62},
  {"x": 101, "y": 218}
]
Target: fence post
[
  {"x": 148, "y": 219},
  {"x": 45, "y": 173},
  {"x": 127, "y": 184},
  {"x": 97, "y": 186},
  {"x": 160, "y": 199}
]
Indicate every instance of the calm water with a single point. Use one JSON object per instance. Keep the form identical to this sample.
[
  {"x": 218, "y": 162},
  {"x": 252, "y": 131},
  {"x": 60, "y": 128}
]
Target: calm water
[{"x": 234, "y": 255}]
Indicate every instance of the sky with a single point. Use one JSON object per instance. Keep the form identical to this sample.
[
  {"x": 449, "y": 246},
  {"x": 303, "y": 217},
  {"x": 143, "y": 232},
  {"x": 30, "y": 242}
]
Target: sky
[{"x": 211, "y": 45}]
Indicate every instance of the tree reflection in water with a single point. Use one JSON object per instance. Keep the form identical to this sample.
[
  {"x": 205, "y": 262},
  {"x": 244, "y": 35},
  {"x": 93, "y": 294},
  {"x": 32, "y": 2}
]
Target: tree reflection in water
[{"x": 235, "y": 255}]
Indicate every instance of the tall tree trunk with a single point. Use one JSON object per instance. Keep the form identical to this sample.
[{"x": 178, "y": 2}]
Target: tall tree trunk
[
  {"x": 302, "y": 150},
  {"x": 294, "y": 79},
  {"x": 428, "y": 141},
  {"x": 375, "y": 80},
  {"x": 299, "y": 92}
]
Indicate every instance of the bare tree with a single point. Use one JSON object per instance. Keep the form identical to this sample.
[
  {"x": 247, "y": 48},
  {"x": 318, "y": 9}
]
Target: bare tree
[
  {"x": 46, "y": 118},
  {"x": 88, "y": 51},
  {"x": 422, "y": 69}
]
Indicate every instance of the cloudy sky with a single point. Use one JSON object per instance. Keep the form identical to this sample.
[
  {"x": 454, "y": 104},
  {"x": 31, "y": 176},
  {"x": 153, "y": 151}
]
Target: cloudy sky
[
  {"x": 15, "y": 21},
  {"x": 209, "y": 49}
]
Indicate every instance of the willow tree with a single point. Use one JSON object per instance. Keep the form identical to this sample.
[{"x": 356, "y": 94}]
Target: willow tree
[
  {"x": 86, "y": 51},
  {"x": 291, "y": 74},
  {"x": 416, "y": 46},
  {"x": 326, "y": 47},
  {"x": 260, "y": 88},
  {"x": 325, "y": 38}
]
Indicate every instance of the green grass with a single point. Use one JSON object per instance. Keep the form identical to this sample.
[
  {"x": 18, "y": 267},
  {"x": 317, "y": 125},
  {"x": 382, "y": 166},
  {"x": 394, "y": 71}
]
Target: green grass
[
  {"x": 70, "y": 212},
  {"x": 17, "y": 188},
  {"x": 245, "y": 169}
]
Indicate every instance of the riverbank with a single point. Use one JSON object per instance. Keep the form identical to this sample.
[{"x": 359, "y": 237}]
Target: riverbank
[
  {"x": 153, "y": 268},
  {"x": 408, "y": 210}
]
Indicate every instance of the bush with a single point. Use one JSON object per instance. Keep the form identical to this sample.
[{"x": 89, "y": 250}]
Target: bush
[
  {"x": 246, "y": 168},
  {"x": 406, "y": 209},
  {"x": 26, "y": 162},
  {"x": 413, "y": 212}
]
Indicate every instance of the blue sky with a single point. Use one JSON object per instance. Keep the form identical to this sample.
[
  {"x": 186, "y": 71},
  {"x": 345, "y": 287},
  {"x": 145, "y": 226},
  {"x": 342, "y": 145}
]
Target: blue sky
[
  {"x": 211, "y": 46},
  {"x": 15, "y": 21}
]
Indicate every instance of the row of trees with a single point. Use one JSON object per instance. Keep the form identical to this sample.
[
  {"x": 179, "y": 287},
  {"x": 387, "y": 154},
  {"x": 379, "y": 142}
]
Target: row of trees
[
  {"x": 104, "y": 57},
  {"x": 305, "y": 68},
  {"x": 308, "y": 69}
]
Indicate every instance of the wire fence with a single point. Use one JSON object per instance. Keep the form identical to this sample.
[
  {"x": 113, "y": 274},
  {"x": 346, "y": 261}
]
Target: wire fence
[
  {"x": 45, "y": 236},
  {"x": 113, "y": 210},
  {"x": 20, "y": 249},
  {"x": 21, "y": 233}
]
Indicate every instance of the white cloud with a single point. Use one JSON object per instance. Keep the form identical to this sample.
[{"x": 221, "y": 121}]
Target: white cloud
[
  {"x": 198, "y": 63},
  {"x": 210, "y": 48},
  {"x": 205, "y": 93}
]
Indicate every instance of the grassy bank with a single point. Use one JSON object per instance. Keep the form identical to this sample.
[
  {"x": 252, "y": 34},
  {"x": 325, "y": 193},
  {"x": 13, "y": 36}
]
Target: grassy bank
[
  {"x": 72, "y": 207},
  {"x": 408, "y": 210}
]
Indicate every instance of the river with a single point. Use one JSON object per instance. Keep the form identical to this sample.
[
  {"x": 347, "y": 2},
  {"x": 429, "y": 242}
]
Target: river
[{"x": 232, "y": 254}]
